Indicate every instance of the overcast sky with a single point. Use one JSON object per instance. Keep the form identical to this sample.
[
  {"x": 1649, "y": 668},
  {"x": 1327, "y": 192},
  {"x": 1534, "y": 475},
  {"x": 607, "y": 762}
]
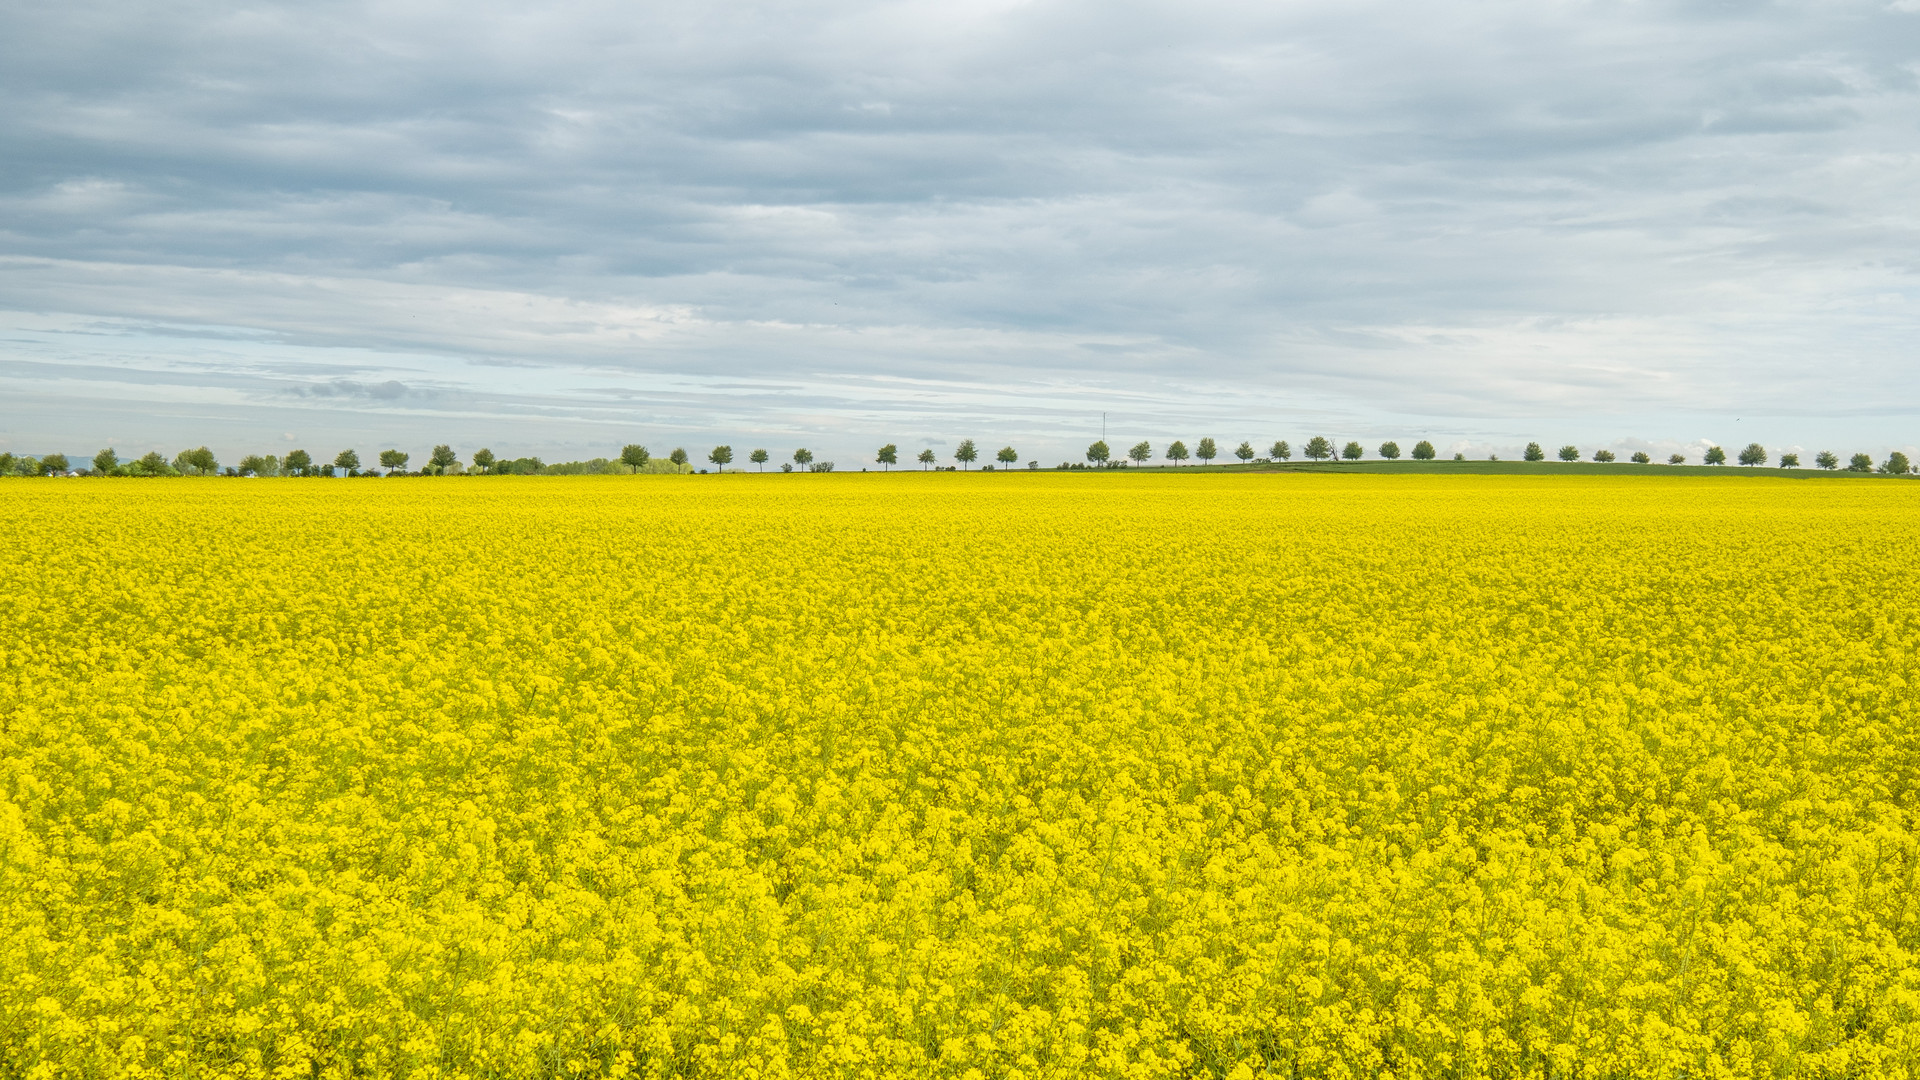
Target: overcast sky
[{"x": 558, "y": 228}]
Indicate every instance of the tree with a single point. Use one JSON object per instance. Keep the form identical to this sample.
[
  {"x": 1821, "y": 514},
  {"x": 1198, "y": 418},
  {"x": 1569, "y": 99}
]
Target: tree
[
  {"x": 1318, "y": 448},
  {"x": 1754, "y": 454},
  {"x": 1640, "y": 458},
  {"x": 105, "y": 460},
  {"x": 57, "y": 463},
  {"x": 253, "y": 465},
  {"x": 348, "y": 462},
  {"x": 1534, "y": 453},
  {"x": 632, "y": 455},
  {"x": 759, "y": 457},
  {"x": 152, "y": 464},
  {"x": 1827, "y": 459},
  {"x": 1352, "y": 451},
  {"x": 1007, "y": 455},
  {"x": 7, "y": 462},
  {"x": 1098, "y": 452},
  {"x": 1569, "y": 453},
  {"x": 966, "y": 453},
  {"x": 483, "y": 459},
  {"x": 1423, "y": 451},
  {"x": 1390, "y": 450},
  {"x": 1715, "y": 456},
  {"x": 300, "y": 463},
  {"x": 1677, "y": 459},
  {"x": 925, "y": 459},
  {"x": 443, "y": 458},
  {"x": 1603, "y": 455},
  {"x": 1860, "y": 463},
  {"x": 889, "y": 456},
  {"x": 1206, "y": 451},
  {"x": 1244, "y": 451},
  {"x": 394, "y": 460},
  {"x": 1789, "y": 461},
  {"x": 721, "y": 456},
  {"x": 1896, "y": 464},
  {"x": 1280, "y": 451},
  {"x": 1139, "y": 453},
  {"x": 1177, "y": 453},
  {"x": 199, "y": 461},
  {"x": 802, "y": 457},
  {"x": 678, "y": 456}
]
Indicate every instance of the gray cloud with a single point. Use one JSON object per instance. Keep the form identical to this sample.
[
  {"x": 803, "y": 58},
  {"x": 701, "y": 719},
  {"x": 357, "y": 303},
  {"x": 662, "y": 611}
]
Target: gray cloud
[
  {"x": 849, "y": 221},
  {"x": 391, "y": 390}
]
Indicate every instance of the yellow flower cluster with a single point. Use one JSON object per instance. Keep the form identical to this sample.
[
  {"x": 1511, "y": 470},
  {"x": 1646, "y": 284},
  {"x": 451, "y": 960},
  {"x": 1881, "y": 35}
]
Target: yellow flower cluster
[{"x": 1004, "y": 775}]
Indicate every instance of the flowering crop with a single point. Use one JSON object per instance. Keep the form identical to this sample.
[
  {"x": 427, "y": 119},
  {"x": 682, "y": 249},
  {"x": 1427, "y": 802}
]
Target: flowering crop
[{"x": 1003, "y": 775}]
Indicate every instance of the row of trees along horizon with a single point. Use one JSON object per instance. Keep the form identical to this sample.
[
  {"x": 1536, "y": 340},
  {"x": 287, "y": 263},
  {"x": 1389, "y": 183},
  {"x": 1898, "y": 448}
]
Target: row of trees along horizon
[{"x": 635, "y": 458}]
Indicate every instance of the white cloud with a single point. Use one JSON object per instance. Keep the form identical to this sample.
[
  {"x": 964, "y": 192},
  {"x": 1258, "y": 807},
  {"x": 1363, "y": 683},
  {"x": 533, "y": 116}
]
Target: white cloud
[{"x": 1479, "y": 220}]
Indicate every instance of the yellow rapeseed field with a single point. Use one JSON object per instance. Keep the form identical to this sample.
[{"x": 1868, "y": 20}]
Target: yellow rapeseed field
[{"x": 988, "y": 775}]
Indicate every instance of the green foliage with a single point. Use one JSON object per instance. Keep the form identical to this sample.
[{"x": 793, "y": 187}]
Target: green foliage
[
  {"x": 1896, "y": 464},
  {"x": 966, "y": 453},
  {"x": 1569, "y": 452},
  {"x": 1423, "y": 451},
  {"x": 105, "y": 461},
  {"x": 1860, "y": 463},
  {"x": 1827, "y": 459},
  {"x": 1390, "y": 450},
  {"x": 888, "y": 456},
  {"x": 678, "y": 456},
  {"x": 196, "y": 462},
  {"x": 1603, "y": 456},
  {"x": 1677, "y": 459},
  {"x": 802, "y": 457},
  {"x": 721, "y": 457},
  {"x": 1715, "y": 456},
  {"x": 1177, "y": 452},
  {"x": 483, "y": 459},
  {"x": 347, "y": 461},
  {"x": 1007, "y": 455},
  {"x": 255, "y": 465},
  {"x": 1753, "y": 454},
  {"x": 1640, "y": 458},
  {"x": 1207, "y": 450},
  {"x": 1789, "y": 461},
  {"x": 1244, "y": 451},
  {"x": 925, "y": 459},
  {"x": 1534, "y": 453},
  {"x": 759, "y": 457},
  {"x": 1098, "y": 452},
  {"x": 1280, "y": 451},
  {"x": 1352, "y": 451},
  {"x": 443, "y": 458},
  {"x": 600, "y": 467},
  {"x": 1139, "y": 453},
  {"x": 634, "y": 456},
  {"x": 1318, "y": 448},
  {"x": 53, "y": 463},
  {"x": 394, "y": 460}
]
